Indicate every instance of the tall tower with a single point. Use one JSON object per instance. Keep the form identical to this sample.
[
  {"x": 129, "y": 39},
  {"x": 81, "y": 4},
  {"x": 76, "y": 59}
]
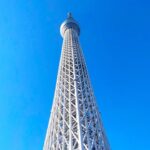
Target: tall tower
[{"x": 75, "y": 122}]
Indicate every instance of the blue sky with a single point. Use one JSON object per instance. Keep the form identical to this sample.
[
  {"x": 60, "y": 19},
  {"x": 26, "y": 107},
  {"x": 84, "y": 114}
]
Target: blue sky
[{"x": 115, "y": 37}]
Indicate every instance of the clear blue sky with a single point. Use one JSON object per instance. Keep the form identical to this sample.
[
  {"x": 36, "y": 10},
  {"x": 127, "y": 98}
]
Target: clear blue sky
[{"x": 115, "y": 37}]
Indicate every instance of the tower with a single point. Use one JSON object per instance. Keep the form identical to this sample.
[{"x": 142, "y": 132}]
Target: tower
[{"x": 75, "y": 122}]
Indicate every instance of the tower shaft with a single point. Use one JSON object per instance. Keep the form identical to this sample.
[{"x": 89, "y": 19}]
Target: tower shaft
[{"x": 75, "y": 122}]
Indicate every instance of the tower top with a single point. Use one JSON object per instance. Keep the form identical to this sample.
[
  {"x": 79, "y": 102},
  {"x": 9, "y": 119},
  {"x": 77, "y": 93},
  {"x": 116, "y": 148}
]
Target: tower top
[
  {"x": 69, "y": 23},
  {"x": 69, "y": 15}
]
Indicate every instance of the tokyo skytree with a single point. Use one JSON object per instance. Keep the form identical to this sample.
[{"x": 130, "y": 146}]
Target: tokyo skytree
[{"x": 75, "y": 122}]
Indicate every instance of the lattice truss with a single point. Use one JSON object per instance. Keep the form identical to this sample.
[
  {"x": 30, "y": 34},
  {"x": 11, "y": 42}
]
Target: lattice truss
[{"x": 75, "y": 122}]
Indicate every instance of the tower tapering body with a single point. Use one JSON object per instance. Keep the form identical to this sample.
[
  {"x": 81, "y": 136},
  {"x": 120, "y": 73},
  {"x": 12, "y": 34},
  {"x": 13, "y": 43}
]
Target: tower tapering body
[{"x": 75, "y": 122}]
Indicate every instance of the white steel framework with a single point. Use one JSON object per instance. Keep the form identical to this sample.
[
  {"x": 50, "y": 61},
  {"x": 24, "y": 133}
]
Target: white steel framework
[{"x": 75, "y": 122}]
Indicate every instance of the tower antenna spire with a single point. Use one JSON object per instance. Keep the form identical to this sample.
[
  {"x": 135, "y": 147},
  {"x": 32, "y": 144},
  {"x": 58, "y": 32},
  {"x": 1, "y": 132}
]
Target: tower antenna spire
[{"x": 69, "y": 15}]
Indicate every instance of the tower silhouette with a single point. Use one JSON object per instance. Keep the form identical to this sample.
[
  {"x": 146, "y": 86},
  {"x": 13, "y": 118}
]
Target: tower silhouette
[{"x": 75, "y": 122}]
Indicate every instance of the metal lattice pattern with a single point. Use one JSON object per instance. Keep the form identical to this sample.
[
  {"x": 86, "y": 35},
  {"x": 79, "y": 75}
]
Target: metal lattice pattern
[{"x": 75, "y": 122}]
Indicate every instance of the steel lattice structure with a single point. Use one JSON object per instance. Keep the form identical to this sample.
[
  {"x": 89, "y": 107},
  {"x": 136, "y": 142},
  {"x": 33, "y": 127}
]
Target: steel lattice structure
[{"x": 75, "y": 122}]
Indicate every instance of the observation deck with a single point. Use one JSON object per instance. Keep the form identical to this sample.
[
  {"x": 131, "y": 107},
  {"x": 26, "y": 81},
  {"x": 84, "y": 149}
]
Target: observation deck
[{"x": 69, "y": 23}]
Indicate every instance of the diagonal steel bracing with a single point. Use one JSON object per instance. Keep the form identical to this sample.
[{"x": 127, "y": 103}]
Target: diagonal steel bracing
[{"x": 75, "y": 122}]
